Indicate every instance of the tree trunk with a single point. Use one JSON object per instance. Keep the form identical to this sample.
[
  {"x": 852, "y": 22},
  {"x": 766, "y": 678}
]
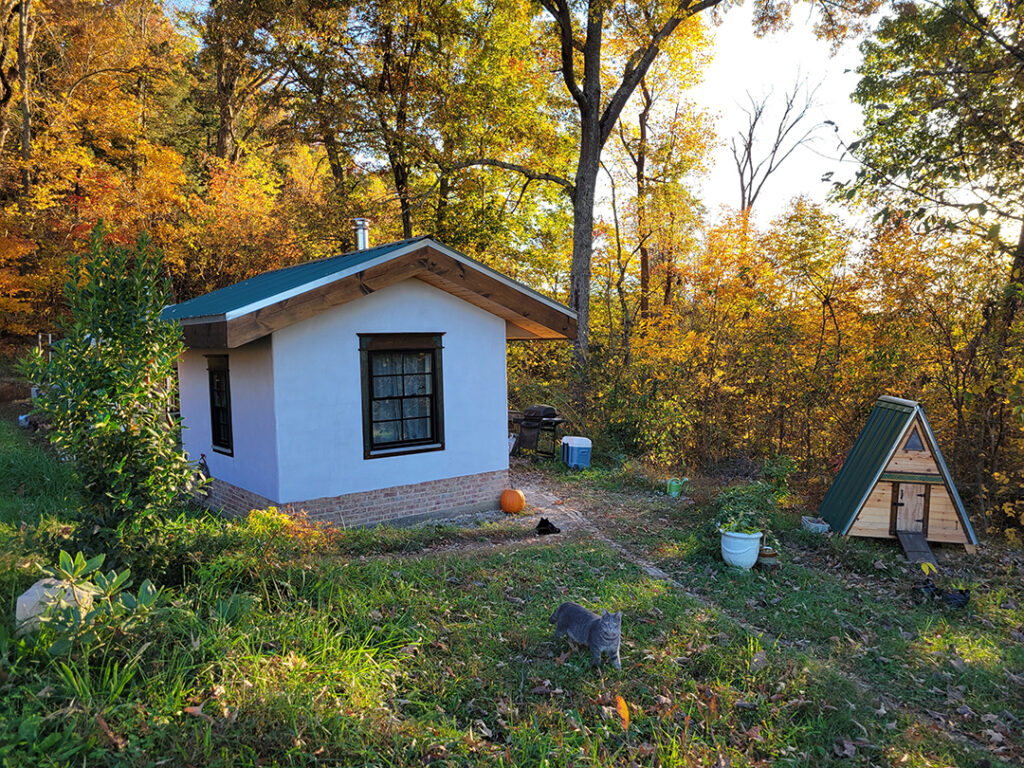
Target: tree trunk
[
  {"x": 1010, "y": 304},
  {"x": 6, "y": 82},
  {"x": 26, "y": 128},
  {"x": 227, "y": 81},
  {"x": 400, "y": 171},
  {"x": 334, "y": 159},
  {"x": 641, "y": 208},
  {"x": 444, "y": 191},
  {"x": 583, "y": 230},
  {"x": 669, "y": 278}
]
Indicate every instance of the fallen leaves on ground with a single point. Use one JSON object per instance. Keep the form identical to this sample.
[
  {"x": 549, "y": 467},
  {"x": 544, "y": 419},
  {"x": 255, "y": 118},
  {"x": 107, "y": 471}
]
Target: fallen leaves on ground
[
  {"x": 623, "y": 710},
  {"x": 116, "y": 741}
]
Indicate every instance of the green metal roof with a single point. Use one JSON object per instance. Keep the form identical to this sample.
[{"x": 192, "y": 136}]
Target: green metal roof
[
  {"x": 868, "y": 458},
  {"x": 269, "y": 284},
  {"x": 865, "y": 462}
]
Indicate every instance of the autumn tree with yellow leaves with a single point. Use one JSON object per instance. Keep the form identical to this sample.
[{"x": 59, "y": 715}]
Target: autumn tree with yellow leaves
[{"x": 554, "y": 141}]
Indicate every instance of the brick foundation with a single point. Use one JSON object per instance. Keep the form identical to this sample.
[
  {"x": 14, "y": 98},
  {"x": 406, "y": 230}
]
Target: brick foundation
[
  {"x": 402, "y": 504},
  {"x": 234, "y": 500}
]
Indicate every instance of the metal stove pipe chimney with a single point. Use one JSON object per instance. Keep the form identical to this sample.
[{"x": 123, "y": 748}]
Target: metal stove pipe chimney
[{"x": 361, "y": 229}]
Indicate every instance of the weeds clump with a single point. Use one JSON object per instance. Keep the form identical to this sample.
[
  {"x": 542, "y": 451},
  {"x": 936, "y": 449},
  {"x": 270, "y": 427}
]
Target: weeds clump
[
  {"x": 286, "y": 532},
  {"x": 751, "y": 507},
  {"x": 99, "y": 610}
]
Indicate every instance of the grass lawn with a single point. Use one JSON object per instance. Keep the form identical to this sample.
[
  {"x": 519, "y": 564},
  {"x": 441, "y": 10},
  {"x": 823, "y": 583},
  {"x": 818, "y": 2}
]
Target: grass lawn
[
  {"x": 32, "y": 484},
  {"x": 432, "y": 646}
]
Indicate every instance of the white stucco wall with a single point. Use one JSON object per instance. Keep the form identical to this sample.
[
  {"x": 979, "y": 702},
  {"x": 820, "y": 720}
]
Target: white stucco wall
[
  {"x": 251, "y": 373},
  {"x": 318, "y": 400}
]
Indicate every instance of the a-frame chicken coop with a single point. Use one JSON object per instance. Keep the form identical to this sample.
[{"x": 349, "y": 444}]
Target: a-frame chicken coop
[{"x": 895, "y": 484}]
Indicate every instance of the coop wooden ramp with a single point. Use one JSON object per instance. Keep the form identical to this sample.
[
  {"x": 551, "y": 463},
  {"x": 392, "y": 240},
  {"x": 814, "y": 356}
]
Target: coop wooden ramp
[{"x": 916, "y": 547}]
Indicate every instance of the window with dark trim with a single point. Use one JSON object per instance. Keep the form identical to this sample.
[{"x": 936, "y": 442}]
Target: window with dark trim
[
  {"x": 402, "y": 398},
  {"x": 220, "y": 403}
]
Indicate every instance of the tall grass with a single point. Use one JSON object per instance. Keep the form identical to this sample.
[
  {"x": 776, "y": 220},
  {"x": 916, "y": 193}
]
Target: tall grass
[{"x": 33, "y": 482}]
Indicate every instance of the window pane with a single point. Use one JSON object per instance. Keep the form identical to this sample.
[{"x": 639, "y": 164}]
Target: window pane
[
  {"x": 218, "y": 388},
  {"x": 402, "y": 393},
  {"x": 385, "y": 363},
  {"x": 416, "y": 407},
  {"x": 387, "y": 386},
  {"x": 417, "y": 429},
  {"x": 417, "y": 362},
  {"x": 387, "y": 409},
  {"x": 418, "y": 384},
  {"x": 387, "y": 432},
  {"x": 914, "y": 443}
]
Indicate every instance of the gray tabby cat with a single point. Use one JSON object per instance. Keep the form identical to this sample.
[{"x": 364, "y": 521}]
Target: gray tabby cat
[{"x": 599, "y": 633}]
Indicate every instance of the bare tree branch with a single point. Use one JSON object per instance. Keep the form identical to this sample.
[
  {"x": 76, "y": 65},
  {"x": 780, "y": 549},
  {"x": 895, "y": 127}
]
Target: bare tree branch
[
  {"x": 641, "y": 59},
  {"x": 754, "y": 171},
  {"x": 559, "y": 11},
  {"x": 521, "y": 169}
]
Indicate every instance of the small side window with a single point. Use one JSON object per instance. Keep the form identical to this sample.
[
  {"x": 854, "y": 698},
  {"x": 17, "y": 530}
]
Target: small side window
[{"x": 220, "y": 404}]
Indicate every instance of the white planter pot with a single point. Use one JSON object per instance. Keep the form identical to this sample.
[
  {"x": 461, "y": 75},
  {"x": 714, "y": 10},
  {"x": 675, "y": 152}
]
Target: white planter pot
[{"x": 740, "y": 550}]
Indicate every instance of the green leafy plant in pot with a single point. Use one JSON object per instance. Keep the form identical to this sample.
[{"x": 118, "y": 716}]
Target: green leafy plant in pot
[
  {"x": 741, "y": 521},
  {"x": 741, "y": 541}
]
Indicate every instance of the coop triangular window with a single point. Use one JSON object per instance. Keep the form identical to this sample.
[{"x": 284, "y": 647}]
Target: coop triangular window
[{"x": 914, "y": 442}]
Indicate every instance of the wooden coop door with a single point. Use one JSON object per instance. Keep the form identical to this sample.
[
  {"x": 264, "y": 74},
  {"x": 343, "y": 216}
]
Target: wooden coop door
[{"x": 910, "y": 507}]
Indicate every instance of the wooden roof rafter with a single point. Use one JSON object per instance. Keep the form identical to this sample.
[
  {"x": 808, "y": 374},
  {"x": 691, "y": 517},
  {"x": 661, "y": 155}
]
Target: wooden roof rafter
[{"x": 256, "y": 308}]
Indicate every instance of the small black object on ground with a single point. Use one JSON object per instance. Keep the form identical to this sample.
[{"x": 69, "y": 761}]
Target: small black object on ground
[
  {"x": 546, "y": 527},
  {"x": 954, "y": 598}
]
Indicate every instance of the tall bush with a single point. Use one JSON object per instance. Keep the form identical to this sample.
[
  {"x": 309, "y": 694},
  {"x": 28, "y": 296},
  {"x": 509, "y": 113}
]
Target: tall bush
[{"x": 107, "y": 390}]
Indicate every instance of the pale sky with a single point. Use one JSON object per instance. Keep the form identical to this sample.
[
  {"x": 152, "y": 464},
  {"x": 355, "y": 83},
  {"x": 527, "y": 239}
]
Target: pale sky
[{"x": 745, "y": 63}]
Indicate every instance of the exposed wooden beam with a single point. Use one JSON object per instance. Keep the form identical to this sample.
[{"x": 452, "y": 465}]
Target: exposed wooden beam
[
  {"x": 525, "y": 316},
  {"x": 213, "y": 335},
  {"x": 479, "y": 288}
]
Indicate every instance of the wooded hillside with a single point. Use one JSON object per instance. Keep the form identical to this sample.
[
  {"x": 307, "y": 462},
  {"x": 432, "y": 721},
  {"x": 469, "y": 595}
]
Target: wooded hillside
[{"x": 244, "y": 136}]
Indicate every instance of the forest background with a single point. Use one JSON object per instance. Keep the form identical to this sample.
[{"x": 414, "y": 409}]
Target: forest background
[{"x": 245, "y": 136}]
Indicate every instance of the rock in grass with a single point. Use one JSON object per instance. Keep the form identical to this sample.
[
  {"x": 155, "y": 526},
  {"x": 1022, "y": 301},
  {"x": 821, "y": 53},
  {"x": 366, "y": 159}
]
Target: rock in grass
[{"x": 38, "y": 598}]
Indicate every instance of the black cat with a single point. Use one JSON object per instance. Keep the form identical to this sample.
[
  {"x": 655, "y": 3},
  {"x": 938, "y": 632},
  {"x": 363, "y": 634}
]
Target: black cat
[{"x": 545, "y": 527}]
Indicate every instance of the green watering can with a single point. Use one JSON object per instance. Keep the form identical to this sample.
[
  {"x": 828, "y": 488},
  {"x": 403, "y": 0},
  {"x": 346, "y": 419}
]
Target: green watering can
[{"x": 675, "y": 486}]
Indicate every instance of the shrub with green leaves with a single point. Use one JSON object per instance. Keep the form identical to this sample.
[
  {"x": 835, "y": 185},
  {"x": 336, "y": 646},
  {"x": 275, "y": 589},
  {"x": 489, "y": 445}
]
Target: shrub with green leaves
[
  {"x": 68, "y": 627},
  {"x": 776, "y": 471},
  {"x": 745, "y": 508},
  {"x": 107, "y": 390}
]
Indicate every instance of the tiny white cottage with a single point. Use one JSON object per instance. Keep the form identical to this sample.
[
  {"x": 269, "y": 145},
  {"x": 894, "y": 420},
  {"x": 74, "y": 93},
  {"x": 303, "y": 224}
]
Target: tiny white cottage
[{"x": 363, "y": 388}]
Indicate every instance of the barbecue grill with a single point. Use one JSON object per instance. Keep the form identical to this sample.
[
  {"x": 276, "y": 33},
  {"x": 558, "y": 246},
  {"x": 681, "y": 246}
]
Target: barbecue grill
[{"x": 537, "y": 428}]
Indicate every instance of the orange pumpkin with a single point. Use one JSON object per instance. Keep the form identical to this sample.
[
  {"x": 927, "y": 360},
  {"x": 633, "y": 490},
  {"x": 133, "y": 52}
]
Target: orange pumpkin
[{"x": 512, "y": 501}]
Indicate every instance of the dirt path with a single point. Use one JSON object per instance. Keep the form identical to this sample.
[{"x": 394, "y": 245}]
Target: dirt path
[{"x": 568, "y": 516}]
